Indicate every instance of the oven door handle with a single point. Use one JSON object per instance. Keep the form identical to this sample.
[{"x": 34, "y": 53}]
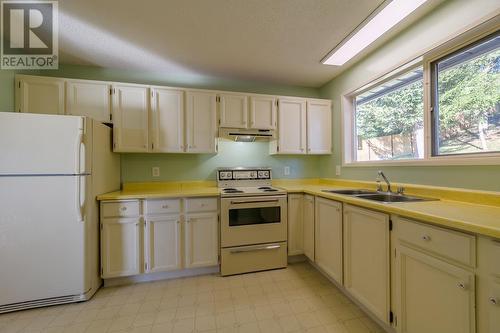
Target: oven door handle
[
  {"x": 254, "y": 201},
  {"x": 256, "y": 248}
]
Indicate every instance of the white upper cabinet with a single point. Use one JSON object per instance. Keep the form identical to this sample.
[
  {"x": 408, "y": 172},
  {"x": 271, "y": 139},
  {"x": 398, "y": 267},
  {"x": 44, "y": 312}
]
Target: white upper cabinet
[
  {"x": 167, "y": 123},
  {"x": 319, "y": 127},
  {"x": 89, "y": 98},
  {"x": 201, "y": 121},
  {"x": 130, "y": 118},
  {"x": 39, "y": 94},
  {"x": 233, "y": 110},
  {"x": 263, "y": 112},
  {"x": 291, "y": 126}
]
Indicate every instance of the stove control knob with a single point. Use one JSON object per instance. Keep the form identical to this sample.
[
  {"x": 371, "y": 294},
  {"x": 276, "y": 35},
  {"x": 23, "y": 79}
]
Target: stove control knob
[{"x": 253, "y": 174}]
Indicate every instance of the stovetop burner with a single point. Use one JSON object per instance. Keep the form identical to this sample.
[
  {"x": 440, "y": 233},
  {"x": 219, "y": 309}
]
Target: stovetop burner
[
  {"x": 232, "y": 190},
  {"x": 270, "y": 190},
  {"x": 264, "y": 188}
]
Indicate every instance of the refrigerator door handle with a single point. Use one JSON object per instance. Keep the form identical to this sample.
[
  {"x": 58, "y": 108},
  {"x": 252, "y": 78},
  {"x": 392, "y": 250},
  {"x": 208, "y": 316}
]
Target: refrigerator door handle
[
  {"x": 80, "y": 196},
  {"x": 81, "y": 151}
]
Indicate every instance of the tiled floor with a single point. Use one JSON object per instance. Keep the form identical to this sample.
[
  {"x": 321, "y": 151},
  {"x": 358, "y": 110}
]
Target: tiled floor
[{"x": 296, "y": 299}]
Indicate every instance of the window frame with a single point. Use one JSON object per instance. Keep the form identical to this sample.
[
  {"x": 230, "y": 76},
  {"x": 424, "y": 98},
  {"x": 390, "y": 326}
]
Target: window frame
[
  {"x": 434, "y": 106},
  {"x": 348, "y": 107}
]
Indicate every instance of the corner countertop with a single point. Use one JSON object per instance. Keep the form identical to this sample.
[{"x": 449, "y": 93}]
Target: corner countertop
[{"x": 470, "y": 211}]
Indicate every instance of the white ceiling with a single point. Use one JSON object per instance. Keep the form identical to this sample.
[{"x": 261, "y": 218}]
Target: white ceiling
[{"x": 280, "y": 41}]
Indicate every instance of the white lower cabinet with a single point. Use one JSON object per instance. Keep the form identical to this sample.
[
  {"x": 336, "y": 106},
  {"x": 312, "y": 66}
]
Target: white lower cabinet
[
  {"x": 121, "y": 247},
  {"x": 308, "y": 220},
  {"x": 367, "y": 259},
  {"x": 295, "y": 224},
  {"x": 432, "y": 295},
  {"x": 163, "y": 243},
  {"x": 164, "y": 237},
  {"x": 201, "y": 240},
  {"x": 328, "y": 244},
  {"x": 488, "y": 285}
]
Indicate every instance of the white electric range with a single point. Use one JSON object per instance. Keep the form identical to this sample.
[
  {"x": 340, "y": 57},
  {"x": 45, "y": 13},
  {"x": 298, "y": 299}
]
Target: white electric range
[{"x": 253, "y": 221}]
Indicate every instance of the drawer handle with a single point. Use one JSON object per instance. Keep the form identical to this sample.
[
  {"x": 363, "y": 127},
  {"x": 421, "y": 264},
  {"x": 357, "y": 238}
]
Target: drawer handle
[
  {"x": 426, "y": 238},
  {"x": 493, "y": 300},
  {"x": 123, "y": 208},
  {"x": 256, "y": 248},
  {"x": 164, "y": 206},
  {"x": 461, "y": 285}
]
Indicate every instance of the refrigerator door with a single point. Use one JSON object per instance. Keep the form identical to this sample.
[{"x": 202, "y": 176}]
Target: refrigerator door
[
  {"x": 43, "y": 243},
  {"x": 35, "y": 144}
]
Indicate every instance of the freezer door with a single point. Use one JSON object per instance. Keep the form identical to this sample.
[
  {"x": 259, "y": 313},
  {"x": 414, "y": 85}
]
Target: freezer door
[
  {"x": 35, "y": 144},
  {"x": 43, "y": 243}
]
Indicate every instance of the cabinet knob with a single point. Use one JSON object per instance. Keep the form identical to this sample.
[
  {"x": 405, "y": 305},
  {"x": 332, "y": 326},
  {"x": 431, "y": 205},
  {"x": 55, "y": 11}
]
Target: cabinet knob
[
  {"x": 426, "y": 238},
  {"x": 178, "y": 221},
  {"x": 493, "y": 300},
  {"x": 461, "y": 285},
  {"x": 164, "y": 206}
]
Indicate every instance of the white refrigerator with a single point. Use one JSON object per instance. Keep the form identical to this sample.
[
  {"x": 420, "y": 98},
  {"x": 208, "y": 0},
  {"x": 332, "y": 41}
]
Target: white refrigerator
[{"x": 51, "y": 169}]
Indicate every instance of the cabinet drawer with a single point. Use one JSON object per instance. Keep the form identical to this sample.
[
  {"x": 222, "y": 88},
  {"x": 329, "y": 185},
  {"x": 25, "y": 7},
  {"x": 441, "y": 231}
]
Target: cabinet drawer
[
  {"x": 449, "y": 244},
  {"x": 201, "y": 205},
  {"x": 163, "y": 206},
  {"x": 120, "y": 208},
  {"x": 253, "y": 258}
]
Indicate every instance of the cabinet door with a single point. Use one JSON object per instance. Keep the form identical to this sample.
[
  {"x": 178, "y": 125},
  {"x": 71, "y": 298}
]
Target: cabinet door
[
  {"x": 366, "y": 259},
  {"x": 163, "y": 243},
  {"x": 167, "y": 120},
  {"x": 308, "y": 218},
  {"x": 292, "y": 126},
  {"x": 319, "y": 127},
  {"x": 263, "y": 112},
  {"x": 202, "y": 241},
  {"x": 39, "y": 94},
  {"x": 130, "y": 118},
  {"x": 90, "y": 99},
  {"x": 121, "y": 247},
  {"x": 432, "y": 295},
  {"x": 233, "y": 111},
  {"x": 201, "y": 125},
  {"x": 328, "y": 240},
  {"x": 295, "y": 224}
]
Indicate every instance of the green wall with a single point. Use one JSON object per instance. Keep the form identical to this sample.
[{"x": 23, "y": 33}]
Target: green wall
[
  {"x": 449, "y": 17},
  {"x": 137, "y": 167}
]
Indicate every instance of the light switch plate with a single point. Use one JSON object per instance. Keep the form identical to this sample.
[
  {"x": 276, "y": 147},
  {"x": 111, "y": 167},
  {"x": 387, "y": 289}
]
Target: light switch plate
[
  {"x": 155, "y": 171},
  {"x": 286, "y": 171}
]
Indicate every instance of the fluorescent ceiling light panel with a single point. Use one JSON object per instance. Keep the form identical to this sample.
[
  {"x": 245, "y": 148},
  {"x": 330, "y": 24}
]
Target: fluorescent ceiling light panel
[{"x": 384, "y": 20}]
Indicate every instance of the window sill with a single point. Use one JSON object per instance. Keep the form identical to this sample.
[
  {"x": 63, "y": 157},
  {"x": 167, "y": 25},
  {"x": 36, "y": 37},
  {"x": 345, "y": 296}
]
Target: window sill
[{"x": 433, "y": 161}]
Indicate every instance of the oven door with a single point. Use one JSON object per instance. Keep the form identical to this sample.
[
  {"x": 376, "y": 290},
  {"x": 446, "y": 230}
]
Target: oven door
[{"x": 253, "y": 220}]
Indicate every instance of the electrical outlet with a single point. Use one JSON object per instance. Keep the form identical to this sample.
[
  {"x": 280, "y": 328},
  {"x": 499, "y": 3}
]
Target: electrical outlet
[
  {"x": 155, "y": 171},
  {"x": 286, "y": 171},
  {"x": 337, "y": 170}
]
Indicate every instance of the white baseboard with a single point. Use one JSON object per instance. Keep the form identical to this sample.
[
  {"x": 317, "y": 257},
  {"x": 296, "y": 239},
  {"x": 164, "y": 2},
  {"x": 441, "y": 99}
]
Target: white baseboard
[{"x": 160, "y": 276}]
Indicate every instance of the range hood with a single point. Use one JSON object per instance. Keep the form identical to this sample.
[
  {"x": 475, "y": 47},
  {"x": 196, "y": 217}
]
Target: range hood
[{"x": 246, "y": 135}]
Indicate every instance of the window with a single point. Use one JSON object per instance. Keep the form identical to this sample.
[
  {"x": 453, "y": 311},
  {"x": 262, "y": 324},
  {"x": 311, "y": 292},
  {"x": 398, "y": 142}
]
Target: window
[
  {"x": 389, "y": 120},
  {"x": 466, "y": 100}
]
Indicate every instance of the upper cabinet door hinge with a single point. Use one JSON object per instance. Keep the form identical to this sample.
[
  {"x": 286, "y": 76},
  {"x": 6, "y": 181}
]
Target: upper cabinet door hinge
[
  {"x": 19, "y": 84},
  {"x": 390, "y": 224},
  {"x": 111, "y": 91},
  {"x": 111, "y": 117},
  {"x": 391, "y": 317}
]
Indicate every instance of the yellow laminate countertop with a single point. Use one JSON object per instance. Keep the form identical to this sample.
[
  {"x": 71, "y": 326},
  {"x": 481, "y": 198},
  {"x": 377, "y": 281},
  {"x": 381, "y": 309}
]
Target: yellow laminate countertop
[
  {"x": 470, "y": 211},
  {"x": 162, "y": 190},
  {"x": 460, "y": 215}
]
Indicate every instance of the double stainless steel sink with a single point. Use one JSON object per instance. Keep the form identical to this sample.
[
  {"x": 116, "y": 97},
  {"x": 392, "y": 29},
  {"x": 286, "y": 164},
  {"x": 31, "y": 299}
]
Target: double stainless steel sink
[{"x": 386, "y": 197}]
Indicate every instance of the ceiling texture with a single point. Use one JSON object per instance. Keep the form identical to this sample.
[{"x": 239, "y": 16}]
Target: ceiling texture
[{"x": 278, "y": 41}]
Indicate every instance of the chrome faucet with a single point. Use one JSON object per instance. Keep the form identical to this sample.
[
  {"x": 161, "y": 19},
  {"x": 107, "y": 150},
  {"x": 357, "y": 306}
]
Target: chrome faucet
[{"x": 379, "y": 187}]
